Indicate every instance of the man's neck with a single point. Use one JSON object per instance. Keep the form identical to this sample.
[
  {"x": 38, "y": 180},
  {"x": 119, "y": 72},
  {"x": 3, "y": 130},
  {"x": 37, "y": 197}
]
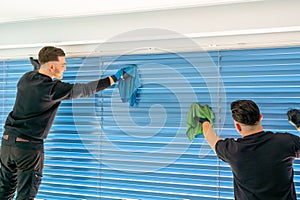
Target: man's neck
[
  {"x": 252, "y": 130},
  {"x": 45, "y": 72}
]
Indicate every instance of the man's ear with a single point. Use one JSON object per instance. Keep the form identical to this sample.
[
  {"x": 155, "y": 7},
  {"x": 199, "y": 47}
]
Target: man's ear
[
  {"x": 51, "y": 67},
  {"x": 238, "y": 127},
  {"x": 260, "y": 116}
]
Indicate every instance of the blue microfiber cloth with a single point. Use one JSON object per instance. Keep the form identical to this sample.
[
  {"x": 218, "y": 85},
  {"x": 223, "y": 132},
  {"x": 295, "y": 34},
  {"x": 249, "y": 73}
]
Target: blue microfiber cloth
[{"x": 128, "y": 87}]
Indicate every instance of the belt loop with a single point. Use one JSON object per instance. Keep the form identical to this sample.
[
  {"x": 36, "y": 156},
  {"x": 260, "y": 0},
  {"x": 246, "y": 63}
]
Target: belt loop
[
  {"x": 9, "y": 139},
  {"x": 5, "y": 137}
]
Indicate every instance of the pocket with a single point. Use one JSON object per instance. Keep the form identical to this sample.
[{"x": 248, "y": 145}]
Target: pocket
[
  {"x": 28, "y": 184},
  {"x": 37, "y": 178},
  {"x": 36, "y": 182}
]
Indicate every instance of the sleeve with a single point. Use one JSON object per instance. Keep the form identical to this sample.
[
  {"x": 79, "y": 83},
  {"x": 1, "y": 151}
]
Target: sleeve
[
  {"x": 225, "y": 149},
  {"x": 64, "y": 91},
  {"x": 296, "y": 144}
]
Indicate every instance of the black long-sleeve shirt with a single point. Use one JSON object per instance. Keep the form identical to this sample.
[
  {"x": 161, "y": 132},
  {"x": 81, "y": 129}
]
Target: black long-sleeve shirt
[
  {"x": 37, "y": 101},
  {"x": 262, "y": 165}
]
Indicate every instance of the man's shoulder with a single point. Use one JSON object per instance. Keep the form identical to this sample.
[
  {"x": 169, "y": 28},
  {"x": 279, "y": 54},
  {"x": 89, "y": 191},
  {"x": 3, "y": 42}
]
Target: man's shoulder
[
  {"x": 283, "y": 135},
  {"x": 284, "y": 139},
  {"x": 29, "y": 73},
  {"x": 226, "y": 143}
]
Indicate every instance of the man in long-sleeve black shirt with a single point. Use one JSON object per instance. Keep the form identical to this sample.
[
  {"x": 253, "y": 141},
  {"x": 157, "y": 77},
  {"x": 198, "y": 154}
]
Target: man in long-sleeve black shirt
[
  {"x": 38, "y": 99},
  {"x": 261, "y": 161}
]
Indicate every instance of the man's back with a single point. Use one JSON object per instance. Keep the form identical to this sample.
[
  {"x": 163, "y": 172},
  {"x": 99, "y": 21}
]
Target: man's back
[
  {"x": 261, "y": 164},
  {"x": 34, "y": 108}
]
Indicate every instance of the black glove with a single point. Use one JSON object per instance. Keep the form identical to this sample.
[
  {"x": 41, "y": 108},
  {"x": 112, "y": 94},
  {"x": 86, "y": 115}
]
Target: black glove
[
  {"x": 201, "y": 120},
  {"x": 122, "y": 74},
  {"x": 125, "y": 75},
  {"x": 35, "y": 63},
  {"x": 294, "y": 117}
]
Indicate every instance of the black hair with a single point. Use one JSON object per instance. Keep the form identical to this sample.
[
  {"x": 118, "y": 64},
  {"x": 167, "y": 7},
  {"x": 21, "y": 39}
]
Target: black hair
[{"x": 245, "y": 112}]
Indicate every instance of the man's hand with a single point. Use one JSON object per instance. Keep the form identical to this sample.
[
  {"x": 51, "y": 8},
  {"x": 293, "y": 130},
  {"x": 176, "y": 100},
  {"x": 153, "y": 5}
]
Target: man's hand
[
  {"x": 294, "y": 118},
  {"x": 205, "y": 126},
  {"x": 123, "y": 73},
  {"x": 201, "y": 120},
  {"x": 119, "y": 74},
  {"x": 210, "y": 134}
]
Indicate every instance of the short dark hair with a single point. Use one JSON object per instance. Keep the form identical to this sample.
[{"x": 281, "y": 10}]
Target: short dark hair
[
  {"x": 245, "y": 112},
  {"x": 50, "y": 53}
]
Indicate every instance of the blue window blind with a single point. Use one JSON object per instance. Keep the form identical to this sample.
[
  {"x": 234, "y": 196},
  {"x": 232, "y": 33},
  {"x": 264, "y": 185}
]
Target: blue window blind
[
  {"x": 101, "y": 148},
  {"x": 271, "y": 78}
]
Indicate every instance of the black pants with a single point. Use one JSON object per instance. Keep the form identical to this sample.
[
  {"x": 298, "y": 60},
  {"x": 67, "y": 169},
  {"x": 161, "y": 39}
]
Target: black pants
[{"x": 21, "y": 169}]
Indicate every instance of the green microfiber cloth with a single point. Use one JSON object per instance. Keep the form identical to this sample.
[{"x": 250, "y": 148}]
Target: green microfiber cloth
[{"x": 195, "y": 127}]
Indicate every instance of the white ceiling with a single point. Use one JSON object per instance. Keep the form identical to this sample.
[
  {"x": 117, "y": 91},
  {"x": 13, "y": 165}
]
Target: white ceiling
[{"x": 16, "y": 10}]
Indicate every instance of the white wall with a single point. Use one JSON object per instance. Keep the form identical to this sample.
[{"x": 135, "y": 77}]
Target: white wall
[{"x": 254, "y": 24}]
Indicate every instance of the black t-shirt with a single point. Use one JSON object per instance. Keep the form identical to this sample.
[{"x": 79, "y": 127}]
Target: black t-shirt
[
  {"x": 37, "y": 101},
  {"x": 262, "y": 165}
]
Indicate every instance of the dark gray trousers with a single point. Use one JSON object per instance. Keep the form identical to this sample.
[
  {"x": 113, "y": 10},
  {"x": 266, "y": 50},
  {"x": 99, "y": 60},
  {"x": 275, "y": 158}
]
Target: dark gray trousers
[{"x": 21, "y": 169}]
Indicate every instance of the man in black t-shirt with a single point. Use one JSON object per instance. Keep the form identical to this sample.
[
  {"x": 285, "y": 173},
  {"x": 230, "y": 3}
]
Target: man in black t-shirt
[
  {"x": 261, "y": 161},
  {"x": 38, "y": 99}
]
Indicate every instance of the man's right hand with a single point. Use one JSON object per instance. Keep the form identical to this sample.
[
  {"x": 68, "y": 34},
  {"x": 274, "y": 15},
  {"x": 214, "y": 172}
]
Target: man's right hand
[
  {"x": 119, "y": 74},
  {"x": 123, "y": 73},
  {"x": 201, "y": 120}
]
